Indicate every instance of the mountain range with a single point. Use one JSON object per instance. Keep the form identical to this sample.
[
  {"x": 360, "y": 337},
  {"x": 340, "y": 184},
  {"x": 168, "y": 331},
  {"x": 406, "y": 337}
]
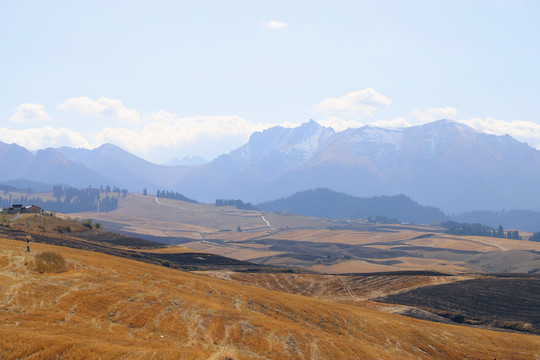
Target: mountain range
[{"x": 444, "y": 164}]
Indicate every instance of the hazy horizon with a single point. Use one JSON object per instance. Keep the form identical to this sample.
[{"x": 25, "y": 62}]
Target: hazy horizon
[{"x": 176, "y": 79}]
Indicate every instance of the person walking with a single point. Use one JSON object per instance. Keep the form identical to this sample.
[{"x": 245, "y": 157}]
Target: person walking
[{"x": 27, "y": 246}]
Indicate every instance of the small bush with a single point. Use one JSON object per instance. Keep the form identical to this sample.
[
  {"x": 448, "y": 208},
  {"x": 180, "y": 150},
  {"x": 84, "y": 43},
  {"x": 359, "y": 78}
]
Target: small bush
[
  {"x": 457, "y": 317},
  {"x": 88, "y": 224},
  {"x": 63, "y": 229},
  {"x": 49, "y": 262}
]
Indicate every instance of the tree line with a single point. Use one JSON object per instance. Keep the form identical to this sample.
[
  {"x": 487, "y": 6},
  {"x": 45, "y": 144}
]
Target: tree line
[
  {"x": 173, "y": 195},
  {"x": 456, "y": 228},
  {"x": 239, "y": 204},
  {"x": 69, "y": 200}
]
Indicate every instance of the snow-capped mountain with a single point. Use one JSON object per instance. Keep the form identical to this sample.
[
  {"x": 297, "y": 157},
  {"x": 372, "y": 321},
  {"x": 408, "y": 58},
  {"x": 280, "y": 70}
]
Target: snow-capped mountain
[
  {"x": 278, "y": 150},
  {"x": 443, "y": 163}
]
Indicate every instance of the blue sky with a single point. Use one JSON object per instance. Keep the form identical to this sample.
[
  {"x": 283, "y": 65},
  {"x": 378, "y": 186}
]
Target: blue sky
[{"x": 178, "y": 78}]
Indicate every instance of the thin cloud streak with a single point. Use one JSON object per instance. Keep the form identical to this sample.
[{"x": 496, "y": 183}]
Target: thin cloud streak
[
  {"x": 29, "y": 113},
  {"x": 355, "y": 104},
  {"x": 102, "y": 107},
  {"x": 433, "y": 113},
  {"x": 40, "y": 138},
  {"x": 276, "y": 25}
]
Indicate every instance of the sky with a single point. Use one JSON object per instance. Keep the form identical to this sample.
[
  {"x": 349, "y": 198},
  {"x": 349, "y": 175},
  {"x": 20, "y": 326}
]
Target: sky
[{"x": 166, "y": 79}]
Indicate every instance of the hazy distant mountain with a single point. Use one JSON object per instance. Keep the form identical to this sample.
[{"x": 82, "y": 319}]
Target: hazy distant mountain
[
  {"x": 330, "y": 204},
  {"x": 187, "y": 161},
  {"x": 24, "y": 184},
  {"x": 46, "y": 166},
  {"x": 245, "y": 173},
  {"x": 443, "y": 163},
  {"x": 132, "y": 172}
]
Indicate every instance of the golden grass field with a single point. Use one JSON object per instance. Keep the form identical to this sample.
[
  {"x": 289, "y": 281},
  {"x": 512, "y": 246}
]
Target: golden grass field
[
  {"x": 206, "y": 228},
  {"x": 106, "y": 307}
]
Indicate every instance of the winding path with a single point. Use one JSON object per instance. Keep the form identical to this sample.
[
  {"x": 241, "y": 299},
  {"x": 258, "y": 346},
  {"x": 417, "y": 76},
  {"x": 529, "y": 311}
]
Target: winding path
[
  {"x": 160, "y": 203},
  {"x": 17, "y": 217}
]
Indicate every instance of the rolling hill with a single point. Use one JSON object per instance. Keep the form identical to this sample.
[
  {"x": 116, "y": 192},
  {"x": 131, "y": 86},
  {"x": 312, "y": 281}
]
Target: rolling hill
[
  {"x": 108, "y": 307},
  {"x": 315, "y": 244},
  {"x": 330, "y": 204}
]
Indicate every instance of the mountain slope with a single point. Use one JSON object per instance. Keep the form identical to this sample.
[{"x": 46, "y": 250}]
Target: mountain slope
[
  {"x": 444, "y": 163},
  {"x": 124, "y": 168},
  {"x": 248, "y": 170},
  {"x": 47, "y": 166},
  {"x": 330, "y": 204},
  {"x": 107, "y": 307}
]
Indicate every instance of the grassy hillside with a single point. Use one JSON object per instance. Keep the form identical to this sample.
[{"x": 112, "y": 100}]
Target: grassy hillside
[
  {"x": 313, "y": 244},
  {"x": 109, "y": 307},
  {"x": 84, "y": 234},
  {"x": 331, "y": 204}
]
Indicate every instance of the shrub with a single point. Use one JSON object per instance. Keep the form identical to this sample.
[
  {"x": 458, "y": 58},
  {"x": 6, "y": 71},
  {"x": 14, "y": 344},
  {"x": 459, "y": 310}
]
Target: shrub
[
  {"x": 49, "y": 262},
  {"x": 63, "y": 229},
  {"x": 457, "y": 317},
  {"x": 88, "y": 224}
]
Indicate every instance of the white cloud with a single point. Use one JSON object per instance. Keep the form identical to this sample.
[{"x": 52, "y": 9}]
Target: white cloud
[
  {"x": 339, "y": 124},
  {"x": 398, "y": 122},
  {"x": 432, "y": 114},
  {"x": 525, "y": 131},
  {"x": 40, "y": 138},
  {"x": 102, "y": 107},
  {"x": 275, "y": 25},
  {"x": 355, "y": 104},
  {"x": 29, "y": 112},
  {"x": 167, "y": 131}
]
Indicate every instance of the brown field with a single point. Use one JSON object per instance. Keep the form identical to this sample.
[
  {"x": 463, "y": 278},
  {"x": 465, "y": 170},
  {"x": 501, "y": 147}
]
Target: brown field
[
  {"x": 322, "y": 245},
  {"x": 108, "y": 307},
  {"x": 245, "y": 253},
  {"x": 350, "y": 237},
  {"x": 347, "y": 289},
  {"x": 405, "y": 264}
]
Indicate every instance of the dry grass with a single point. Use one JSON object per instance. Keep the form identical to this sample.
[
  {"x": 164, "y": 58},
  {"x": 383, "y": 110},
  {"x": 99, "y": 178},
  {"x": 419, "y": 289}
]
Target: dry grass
[
  {"x": 233, "y": 251},
  {"x": 405, "y": 264},
  {"x": 49, "y": 262},
  {"x": 107, "y": 307},
  {"x": 48, "y": 224},
  {"x": 349, "y": 237},
  {"x": 343, "y": 289}
]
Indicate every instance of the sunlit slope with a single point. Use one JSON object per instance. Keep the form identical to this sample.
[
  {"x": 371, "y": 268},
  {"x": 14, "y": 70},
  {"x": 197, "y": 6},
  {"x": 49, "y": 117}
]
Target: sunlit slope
[
  {"x": 108, "y": 307},
  {"x": 320, "y": 245},
  {"x": 173, "y": 218}
]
